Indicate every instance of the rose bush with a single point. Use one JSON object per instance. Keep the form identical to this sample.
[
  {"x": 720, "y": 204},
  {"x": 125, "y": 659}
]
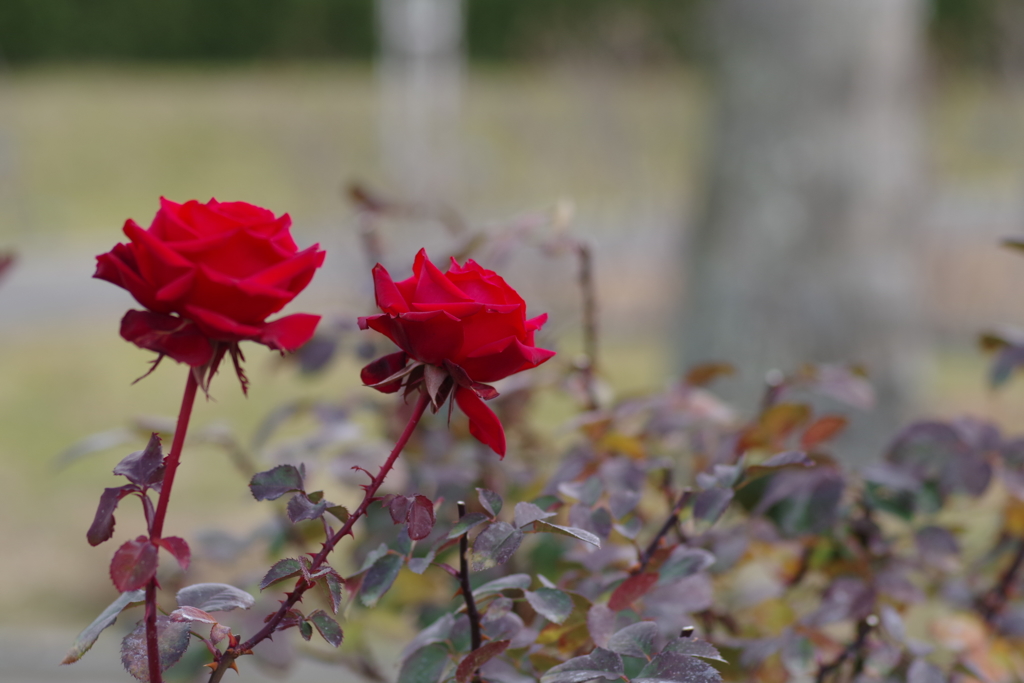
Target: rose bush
[
  {"x": 209, "y": 275},
  {"x": 461, "y": 329}
]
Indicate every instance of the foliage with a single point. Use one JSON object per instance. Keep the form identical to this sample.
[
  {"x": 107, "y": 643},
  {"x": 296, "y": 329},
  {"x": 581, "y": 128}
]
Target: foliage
[{"x": 660, "y": 537}]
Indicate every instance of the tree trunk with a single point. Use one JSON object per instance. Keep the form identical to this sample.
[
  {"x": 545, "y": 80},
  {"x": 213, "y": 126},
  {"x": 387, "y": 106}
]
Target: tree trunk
[{"x": 801, "y": 250}]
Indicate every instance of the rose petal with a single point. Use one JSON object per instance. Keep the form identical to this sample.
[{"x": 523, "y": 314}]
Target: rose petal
[
  {"x": 290, "y": 332},
  {"x": 503, "y": 358},
  {"x": 483, "y": 423},
  {"x": 382, "y": 368},
  {"x": 174, "y": 337},
  {"x": 221, "y": 327},
  {"x": 389, "y": 298},
  {"x": 118, "y": 266},
  {"x": 431, "y": 284},
  {"x": 428, "y": 337},
  {"x": 157, "y": 261}
]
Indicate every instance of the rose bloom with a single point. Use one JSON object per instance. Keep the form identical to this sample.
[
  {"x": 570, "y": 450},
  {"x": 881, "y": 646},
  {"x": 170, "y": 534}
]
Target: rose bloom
[
  {"x": 209, "y": 275},
  {"x": 468, "y": 322}
]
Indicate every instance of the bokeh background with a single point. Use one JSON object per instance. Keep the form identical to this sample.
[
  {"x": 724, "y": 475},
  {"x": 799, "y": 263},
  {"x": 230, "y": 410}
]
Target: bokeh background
[{"x": 761, "y": 182}]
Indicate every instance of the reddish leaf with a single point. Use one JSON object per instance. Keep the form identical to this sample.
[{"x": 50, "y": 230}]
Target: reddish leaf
[
  {"x": 145, "y": 467},
  {"x": 478, "y": 657},
  {"x": 179, "y": 548},
  {"x": 102, "y": 527},
  {"x": 385, "y": 367},
  {"x": 398, "y": 506},
  {"x": 188, "y": 613},
  {"x": 822, "y": 430},
  {"x": 630, "y": 590},
  {"x": 421, "y": 518},
  {"x": 134, "y": 564},
  {"x": 704, "y": 374}
]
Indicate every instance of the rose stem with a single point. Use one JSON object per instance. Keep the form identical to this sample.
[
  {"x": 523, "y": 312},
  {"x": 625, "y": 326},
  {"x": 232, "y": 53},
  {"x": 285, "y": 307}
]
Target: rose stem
[
  {"x": 231, "y": 654},
  {"x": 467, "y": 590},
  {"x": 646, "y": 556},
  {"x": 170, "y": 467}
]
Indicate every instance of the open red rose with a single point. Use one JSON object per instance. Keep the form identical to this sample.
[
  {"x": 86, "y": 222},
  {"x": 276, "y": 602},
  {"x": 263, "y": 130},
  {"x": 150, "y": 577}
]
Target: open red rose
[
  {"x": 461, "y": 329},
  {"x": 209, "y": 275}
]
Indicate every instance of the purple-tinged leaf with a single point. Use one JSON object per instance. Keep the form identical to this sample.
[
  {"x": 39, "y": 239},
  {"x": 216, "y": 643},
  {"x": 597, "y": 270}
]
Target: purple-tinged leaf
[
  {"x": 631, "y": 590},
  {"x": 528, "y": 513},
  {"x": 274, "y": 483},
  {"x": 936, "y": 543},
  {"x": 684, "y": 561},
  {"x": 379, "y": 578},
  {"x": 192, "y": 614},
  {"x": 219, "y": 632},
  {"x": 636, "y": 640},
  {"x": 499, "y": 607},
  {"x": 145, "y": 467},
  {"x": 572, "y": 532},
  {"x": 600, "y": 663},
  {"x": 847, "y": 597},
  {"x": 214, "y": 597},
  {"x": 282, "y": 569},
  {"x": 420, "y": 518},
  {"x": 301, "y": 508},
  {"x": 671, "y": 666},
  {"x": 694, "y": 647},
  {"x": 332, "y": 586},
  {"x": 490, "y": 500},
  {"x": 437, "y": 632},
  {"x": 843, "y": 383},
  {"x": 471, "y": 520},
  {"x": 711, "y": 504},
  {"x": 923, "y": 671},
  {"x": 477, "y": 658},
  {"x": 510, "y": 582},
  {"x": 107, "y": 617},
  {"x": 133, "y": 565},
  {"x": 398, "y": 506},
  {"x": 172, "y": 641},
  {"x": 425, "y": 665},
  {"x": 179, "y": 548},
  {"x": 102, "y": 527},
  {"x": 328, "y": 627},
  {"x": 551, "y": 603},
  {"x": 418, "y": 565},
  {"x": 893, "y": 623},
  {"x": 600, "y": 624},
  {"x": 494, "y": 545}
]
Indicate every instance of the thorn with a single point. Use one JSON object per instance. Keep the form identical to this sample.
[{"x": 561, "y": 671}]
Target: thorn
[
  {"x": 234, "y": 665},
  {"x": 212, "y": 665}
]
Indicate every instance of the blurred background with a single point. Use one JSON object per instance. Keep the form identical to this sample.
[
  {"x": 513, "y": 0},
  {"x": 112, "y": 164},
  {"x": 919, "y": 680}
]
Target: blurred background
[{"x": 763, "y": 183}]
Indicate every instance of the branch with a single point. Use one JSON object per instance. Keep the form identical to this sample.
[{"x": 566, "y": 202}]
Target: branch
[
  {"x": 864, "y": 627},
  {"x": 301, "y": 586},
  {"x": 673, "y": 516},
  {"x": 586, "y": 280},
  {"x": 467, "y": 590},
  {"x": 995, "y": 600}
]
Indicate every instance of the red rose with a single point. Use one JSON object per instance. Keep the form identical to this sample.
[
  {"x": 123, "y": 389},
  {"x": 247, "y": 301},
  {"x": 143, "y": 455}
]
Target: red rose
[
  {"x": 461, "y": 328},
  {"x": 209, "y": 275}
]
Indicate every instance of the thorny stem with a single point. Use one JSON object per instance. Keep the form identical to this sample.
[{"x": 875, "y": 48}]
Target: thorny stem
[
  {"x": 993, "y": 603},
  {"x": 467, "y": 590},
  {"x": 673, "y": 516},
  {"x": 157, "y": 527},
  {"x": 233, "y": 653},
  {"x": 586, "y": 279}
]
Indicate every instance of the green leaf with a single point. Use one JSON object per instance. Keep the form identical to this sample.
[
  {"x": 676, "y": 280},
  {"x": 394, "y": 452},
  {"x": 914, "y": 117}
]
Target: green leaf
[
  {"x": 372, "y": 557},
  {"x": 510, "y": 582},
  {"x": 636, "y": 640},
  {"x": 339, "y": 511},
  {"x": 172, "y": 641},
  {"x": 332, "y": 583},
  {"x": 425, "y": 665},
  {"x": 678, "y": 668},
  {"x": 214, "y": 597},
  {"x": 107, "y": 617},
  {"x": 471, "y": 520},
  {"x": 551, "y": 603},
  {"x": 490, "y": 500},
  {"x": 570, "y": 531},
  {"x": 494, "y": 545},
  {"x": 477, "y": 658},
  {"x": 379, "y": 578},
  {"x": 273, "y": 484},
  {"x": 328, "y": 627},
  {"x": 600, "y": 663},
  {"x": 282, "y": 569},
  {"x": 306, "y": 630}
]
